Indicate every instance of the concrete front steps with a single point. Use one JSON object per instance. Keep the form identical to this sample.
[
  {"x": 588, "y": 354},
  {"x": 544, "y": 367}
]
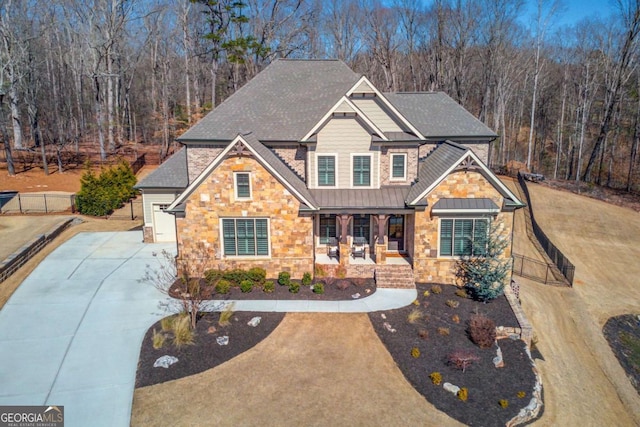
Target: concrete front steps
[{"x": 394, "y": 276}]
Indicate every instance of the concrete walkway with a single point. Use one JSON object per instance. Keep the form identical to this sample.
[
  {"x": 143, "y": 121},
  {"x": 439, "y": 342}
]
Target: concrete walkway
[{"x": 71, "y": 334}]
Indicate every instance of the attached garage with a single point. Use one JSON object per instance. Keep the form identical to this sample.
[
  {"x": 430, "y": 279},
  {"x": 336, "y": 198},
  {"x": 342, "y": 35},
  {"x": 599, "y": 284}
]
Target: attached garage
[{"x": 164, "y": 224}]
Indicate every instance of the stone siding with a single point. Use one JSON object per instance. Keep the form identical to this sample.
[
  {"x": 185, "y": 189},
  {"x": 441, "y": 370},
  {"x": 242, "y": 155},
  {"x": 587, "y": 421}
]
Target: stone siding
[
  {"x": 147, "y": 234},
  {"x": 199, "y": 157},
  {"x": 290, "y": 233},
  {"x": 385, "y": 164},
  {"x": 295, "y": 157},
  {"x": 427, "y": 266}
]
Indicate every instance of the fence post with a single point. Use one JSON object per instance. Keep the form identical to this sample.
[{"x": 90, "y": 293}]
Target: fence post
[
  {"x": 131, "y": 205},
  {"x": 20, "y": 203},
  {"x": 46, "y": 210}
]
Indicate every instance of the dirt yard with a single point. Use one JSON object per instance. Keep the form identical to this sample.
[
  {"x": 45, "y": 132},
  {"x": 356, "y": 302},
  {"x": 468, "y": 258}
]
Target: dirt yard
[
  {"x": 583, "y": 382},
  {"x": 313, "y": 370}
]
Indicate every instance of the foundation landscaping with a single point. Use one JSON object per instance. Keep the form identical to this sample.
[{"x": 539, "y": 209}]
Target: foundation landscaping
[{"x": 463, "y": 355}]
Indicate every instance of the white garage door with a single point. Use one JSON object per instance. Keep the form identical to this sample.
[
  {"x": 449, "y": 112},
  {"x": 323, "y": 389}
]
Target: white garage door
[{"x": 164, "y": 224}]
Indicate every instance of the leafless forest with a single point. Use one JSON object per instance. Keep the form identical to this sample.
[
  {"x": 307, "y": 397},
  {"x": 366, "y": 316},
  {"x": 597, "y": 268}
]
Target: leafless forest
[{"x": 117, "y": 73}]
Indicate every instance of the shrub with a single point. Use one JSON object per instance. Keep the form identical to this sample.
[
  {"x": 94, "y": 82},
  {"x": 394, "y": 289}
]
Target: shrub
[
  {"x": 223, "y": 286},
  {"x": 246, "y": 286},
  {"x": 463, "y": 394},
  {"x": 426, "y": 294},
  {"x": 318, "y": 288},
  {"x": 436, "y": 378},
  {"x": 158, "y": 339},
  {"x": 521, "y": 394},
  {"x": 269, "y": 286},
  {"x": 236, "y": 275},
  {"x": 462, "y": 293},
  {"x": 455, "y": 318},
  {"x": 225, "y": 315},
  {"x": 100, "y": 195},
  {"x": 320, "y": 271},
  {"x": 414, "y": 315},
  {"x": 504, "y": 403},
  {"x": 257, "y": 274},
  {"x": 306, "y": 279},
  {"x": 482, "y": 330},
  {"x": 423, "y": 333},
  {"x": 453, "y": 303},
  {"x": 415, "y": 302},
  {"x": 182, "y": 332},
  {"x": 462, "y": 359},
  {"x": 436, "y": 289},
  {"x": 343, "y": 284},
  {"x": 211, "y": 276},
  {"x": 443, "y": 331},
  {"x": 341, "y": 272},
  {"x": 284, "y": 278},
  {"x": 415, "y": 352},
  {"x": 294, "y": 287},
  {"x": 358, "y": 281},
  {"x": 167, "y": 323}
]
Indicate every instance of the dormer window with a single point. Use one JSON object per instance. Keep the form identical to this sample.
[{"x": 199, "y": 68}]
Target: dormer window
[{"x": 242, "y": 184}]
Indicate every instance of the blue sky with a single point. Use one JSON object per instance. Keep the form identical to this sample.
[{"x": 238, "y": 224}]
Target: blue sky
[{"x": 575, "y": 10}]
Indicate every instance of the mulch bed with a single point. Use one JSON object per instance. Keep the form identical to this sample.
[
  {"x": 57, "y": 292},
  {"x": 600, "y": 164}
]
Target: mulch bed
[
  {"x": 205, "y": 353},
  {"x": 623, "y": 335},
  {"x": 486, "y": 384},
  {"x": 333, "y": 291}
]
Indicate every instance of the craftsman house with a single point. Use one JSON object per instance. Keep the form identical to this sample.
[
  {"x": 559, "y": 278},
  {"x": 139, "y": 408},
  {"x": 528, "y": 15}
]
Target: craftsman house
[{"x": 310, "y": 166}]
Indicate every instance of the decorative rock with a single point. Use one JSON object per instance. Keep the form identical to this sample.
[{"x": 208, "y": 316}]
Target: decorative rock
[
  {"x": 224, "y": 340},
  {"x": 367, "y": 291},
  {"x": 255, "y": 321},
  {"x": 498, "y": 361},
  {"x": 451, "y": 388},
  {"x": 384, "y": 316},
  {"x": 164, "y": 361},
  {"x": 356, "y": 295},
  {"x": 388, "y": 327},
  {"x": 211, "y": 330}
]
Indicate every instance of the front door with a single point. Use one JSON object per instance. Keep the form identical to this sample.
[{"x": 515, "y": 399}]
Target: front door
[{"x": 395, "y": 231}]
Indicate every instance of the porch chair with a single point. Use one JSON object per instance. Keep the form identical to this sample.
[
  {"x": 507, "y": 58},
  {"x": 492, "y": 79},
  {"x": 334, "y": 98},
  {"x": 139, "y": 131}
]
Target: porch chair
[
  {"x": 358, "y": 248},
  {"x": 333, "y": 250}
]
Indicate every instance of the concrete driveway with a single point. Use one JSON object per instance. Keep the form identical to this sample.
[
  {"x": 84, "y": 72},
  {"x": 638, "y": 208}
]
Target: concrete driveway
[{"x": 71, "y": 334}]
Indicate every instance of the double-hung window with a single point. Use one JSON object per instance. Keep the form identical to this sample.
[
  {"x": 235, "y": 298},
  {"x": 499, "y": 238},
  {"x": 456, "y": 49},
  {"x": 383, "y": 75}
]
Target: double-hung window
[
  {"x": 460, "y": 237},
  {"x": 245, "y": 236},
  {"x": 362, "y": 226},
  {"x": 361, "y": 171},
  {"x": 398, "y": 166},
  {"x": 326, "y": 171},
  {"x": 242, "y": 185}
]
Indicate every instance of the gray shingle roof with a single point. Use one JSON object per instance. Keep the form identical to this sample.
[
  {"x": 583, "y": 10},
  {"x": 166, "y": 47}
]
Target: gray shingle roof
[
  {"x": 279, "y": 166},
  {"x": 441, "y": 159},
  {"x": 436, "y": 115},
  {"x": 474, "y": 205},
  {"x": 391, "y": 197},
  {"x": 282, "y": 103},
  {"x": 171, "y": 174}
]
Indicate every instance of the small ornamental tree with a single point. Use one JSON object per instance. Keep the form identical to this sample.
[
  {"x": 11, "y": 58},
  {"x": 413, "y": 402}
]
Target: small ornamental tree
[{"x": 484, "y": 271}]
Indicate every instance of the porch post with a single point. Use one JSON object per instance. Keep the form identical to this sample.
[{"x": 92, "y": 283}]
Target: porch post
[
  {"x": 344, "y": 244},
  {"x": 380, "y": 247}
]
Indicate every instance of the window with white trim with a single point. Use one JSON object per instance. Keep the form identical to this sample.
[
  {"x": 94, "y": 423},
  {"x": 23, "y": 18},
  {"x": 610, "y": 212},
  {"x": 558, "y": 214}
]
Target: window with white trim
[
  {"x": 326, "y": 171},
  {"x": 362, "y": 171},
  {"x": 398, "y": 166},
  {"x": 362, "y": 226},
  {"x": 242, "y": 184},
  {"x": 245, "y": 236},
  {"x": 462, "y": 236}
]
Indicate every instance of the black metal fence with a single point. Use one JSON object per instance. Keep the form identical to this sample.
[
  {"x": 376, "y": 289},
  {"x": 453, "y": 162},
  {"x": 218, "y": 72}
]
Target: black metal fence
[
  {"x": 131, "y": 210},
  {"x": 539, "y": 271},
  {"x": 23, "y": 203},
  {"x": 558, "y": 258}
]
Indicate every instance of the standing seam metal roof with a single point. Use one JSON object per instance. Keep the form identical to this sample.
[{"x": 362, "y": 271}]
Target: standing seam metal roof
[{"x": 391, "y": 197}]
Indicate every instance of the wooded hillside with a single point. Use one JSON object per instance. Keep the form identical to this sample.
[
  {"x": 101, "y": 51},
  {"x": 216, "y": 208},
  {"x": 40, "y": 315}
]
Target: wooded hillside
[{"x": 565, "y": 100}]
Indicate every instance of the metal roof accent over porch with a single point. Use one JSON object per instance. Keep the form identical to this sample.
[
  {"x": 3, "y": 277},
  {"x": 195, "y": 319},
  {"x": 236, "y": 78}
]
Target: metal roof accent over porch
[
  {"x": 464, "y": 206},
  {"x": 376, "y": 200}
]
